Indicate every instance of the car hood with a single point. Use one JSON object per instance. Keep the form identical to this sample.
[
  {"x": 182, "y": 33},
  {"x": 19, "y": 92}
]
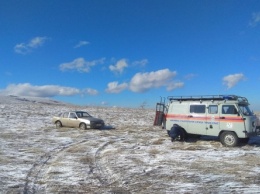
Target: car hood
[{"x": 91, "y": 119}]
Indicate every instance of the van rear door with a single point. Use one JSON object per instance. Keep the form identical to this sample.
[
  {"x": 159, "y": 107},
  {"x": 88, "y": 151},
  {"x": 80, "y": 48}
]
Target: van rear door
[{"x": 159, "y": 114}]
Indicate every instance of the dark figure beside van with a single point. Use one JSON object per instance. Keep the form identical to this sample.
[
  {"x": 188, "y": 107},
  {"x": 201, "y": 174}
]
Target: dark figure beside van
[{"x": 175, "y": 132}]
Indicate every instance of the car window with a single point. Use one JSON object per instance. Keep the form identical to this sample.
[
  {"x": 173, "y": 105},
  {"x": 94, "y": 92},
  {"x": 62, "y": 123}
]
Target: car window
[
  {"x": 79, "y": 114},
  {"x": 85, "y": 114},
  {"x": 73, "y": 115},
  {"x": 65, "y": 115}
]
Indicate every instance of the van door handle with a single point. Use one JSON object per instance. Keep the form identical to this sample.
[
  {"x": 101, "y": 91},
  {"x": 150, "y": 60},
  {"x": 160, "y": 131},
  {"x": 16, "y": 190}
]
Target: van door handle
[
  {"x": 222, "y": 117},
  {"x": 190, "y": 116}
]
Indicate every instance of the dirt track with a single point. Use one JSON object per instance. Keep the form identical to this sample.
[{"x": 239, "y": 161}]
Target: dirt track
[{"x": 135, "y": 157}]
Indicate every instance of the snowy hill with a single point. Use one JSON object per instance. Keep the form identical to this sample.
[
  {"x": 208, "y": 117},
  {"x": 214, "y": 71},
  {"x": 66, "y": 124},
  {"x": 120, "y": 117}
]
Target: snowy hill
[
  {"x": 19, "y": 99},
  {"x": 133, "y": 157}
]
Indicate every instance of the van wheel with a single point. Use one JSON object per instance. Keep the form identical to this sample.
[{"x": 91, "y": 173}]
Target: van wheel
[
  {"x": 82, "y": 126},
  {"x": 229, "y": 139}
]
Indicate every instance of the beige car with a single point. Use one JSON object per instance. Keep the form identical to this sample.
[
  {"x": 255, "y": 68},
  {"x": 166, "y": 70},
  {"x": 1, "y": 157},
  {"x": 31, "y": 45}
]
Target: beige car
[{"x": 80, "y": 119}]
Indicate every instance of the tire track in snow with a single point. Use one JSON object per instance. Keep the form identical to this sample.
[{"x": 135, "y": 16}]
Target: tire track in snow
[
  {"x": 98, "y": 169},
  {"x": 109, "y": 180},
  {"x": 33, "y": 174},
  {"x": 103, "y": 176}
]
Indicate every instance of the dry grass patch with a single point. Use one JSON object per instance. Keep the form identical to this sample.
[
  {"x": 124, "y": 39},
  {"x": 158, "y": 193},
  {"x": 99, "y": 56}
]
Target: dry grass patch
[
  {"x": 158, "y": 141},
  {"x": 86, "y": 160},
  {"x": 48, "y": 129},
  {"x": 7, "y": 135},
  {"x": 131, "y": 130},
  {"x": 64, "y": 129},
  {"x": 154, "y": 152},
  {"x": 137, "y": 161},
  {"x": 4, "y": 160},
  {"x": 34, "y": 150},
  {"x": 55, "y": 172},
  {"x": 76, "y": 149}
]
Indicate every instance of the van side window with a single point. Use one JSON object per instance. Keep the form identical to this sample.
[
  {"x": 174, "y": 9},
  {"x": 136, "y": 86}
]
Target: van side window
[
  {"x": 197, "y": 108},
  {"x": 229, "y": 109},
  {"x": 213, "y": 109}
]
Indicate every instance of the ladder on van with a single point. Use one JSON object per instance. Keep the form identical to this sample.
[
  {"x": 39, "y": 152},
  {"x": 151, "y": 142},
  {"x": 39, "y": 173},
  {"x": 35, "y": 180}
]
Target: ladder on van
[{"x": 159, "y": 114}]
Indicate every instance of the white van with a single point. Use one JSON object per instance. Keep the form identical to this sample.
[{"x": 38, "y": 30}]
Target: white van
[{"x": 225, "y": 116}]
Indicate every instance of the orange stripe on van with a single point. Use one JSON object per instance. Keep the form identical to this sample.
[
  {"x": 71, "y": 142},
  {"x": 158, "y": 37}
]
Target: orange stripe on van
[{"x": 203, "y": 118}]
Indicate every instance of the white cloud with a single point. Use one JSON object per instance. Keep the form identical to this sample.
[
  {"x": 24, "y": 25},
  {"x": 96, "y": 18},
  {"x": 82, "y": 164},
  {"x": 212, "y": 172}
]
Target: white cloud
[
  {"x": 119, "y": 66},
  {"x": 174, "y": 85},
  {"x": 90, "y": 91},
  {"x": 142, "y": 82},
  {"x": 37, "y": 42},
  {"x": 80, "y": 64},
  {"x": 26, "y": 89},
  {"x": 255, "y": 19},
  {"x": 141, "y": 63},
  {"x": 231, "y": 80},
  {"x": 190, "y": 76},
  {"x": 114, "y": 87},
  {"x": 81, "y": 43},
  {"x": 24, "y": 48}
]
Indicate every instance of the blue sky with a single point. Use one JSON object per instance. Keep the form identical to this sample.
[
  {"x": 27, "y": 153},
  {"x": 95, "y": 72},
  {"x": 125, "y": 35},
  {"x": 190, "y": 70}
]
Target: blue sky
[{"x": 129, "y": 52}]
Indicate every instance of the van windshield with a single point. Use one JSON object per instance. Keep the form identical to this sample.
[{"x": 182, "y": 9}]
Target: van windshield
[{"x": 245, "y": 110}]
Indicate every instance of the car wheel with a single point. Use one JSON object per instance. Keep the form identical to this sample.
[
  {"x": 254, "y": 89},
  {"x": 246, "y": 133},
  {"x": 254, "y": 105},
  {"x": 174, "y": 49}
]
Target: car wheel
[
  {"x": 229, "y": 139},
  {"x": 82, "y": 126},
  {"x": 58, "y": 124}
]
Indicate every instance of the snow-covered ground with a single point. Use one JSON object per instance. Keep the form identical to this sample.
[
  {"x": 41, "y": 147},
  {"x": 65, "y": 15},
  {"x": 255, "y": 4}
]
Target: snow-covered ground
[{"x": 129, "y": 156}]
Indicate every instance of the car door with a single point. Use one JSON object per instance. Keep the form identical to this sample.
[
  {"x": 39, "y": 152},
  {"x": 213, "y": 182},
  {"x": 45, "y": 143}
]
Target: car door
[
  {"x": 64, "y": 119},
  {"x": 73, "y": 120}
]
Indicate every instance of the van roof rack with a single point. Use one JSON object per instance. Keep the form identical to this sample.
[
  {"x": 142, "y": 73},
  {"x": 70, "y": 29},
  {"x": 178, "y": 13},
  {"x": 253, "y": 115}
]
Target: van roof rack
[{"x": 208, "y": 97}]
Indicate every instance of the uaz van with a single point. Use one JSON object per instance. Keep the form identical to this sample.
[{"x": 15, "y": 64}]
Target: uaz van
[{"x": 226, "y": 116}]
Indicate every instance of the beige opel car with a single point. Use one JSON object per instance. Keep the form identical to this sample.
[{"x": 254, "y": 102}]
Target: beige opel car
[{"x": 80, "y": 119}]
